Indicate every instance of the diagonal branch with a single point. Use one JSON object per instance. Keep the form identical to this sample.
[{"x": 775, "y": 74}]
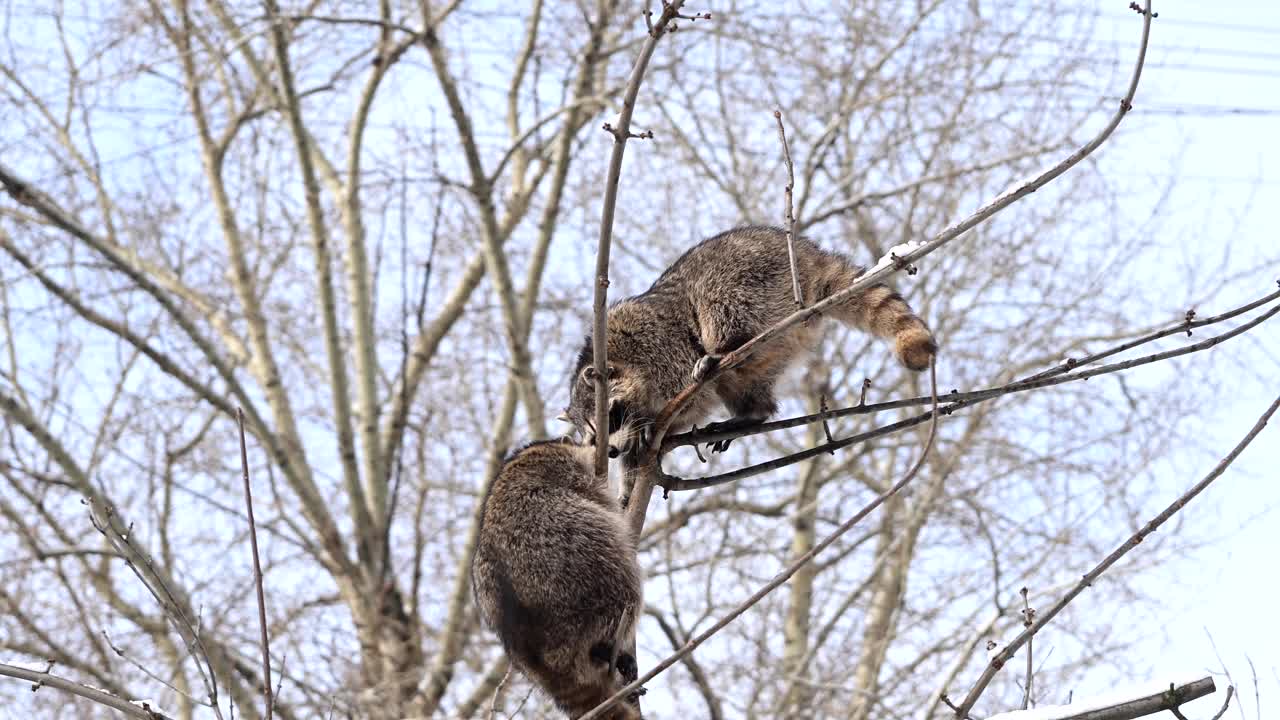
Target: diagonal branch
[
  {"x": 1006, "y": 653},
  {"x": 955, "y": 398},
  {"x": 132, "y": 708}
]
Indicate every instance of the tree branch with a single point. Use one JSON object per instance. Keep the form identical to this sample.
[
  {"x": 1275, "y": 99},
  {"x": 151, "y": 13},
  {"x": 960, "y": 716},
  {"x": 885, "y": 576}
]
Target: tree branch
[
  {"x": 132, "y": 708},
  {"x": 257, "y": 572},
  {"x": 788, "y": 214},
  {"x": 365, "y": 533},
  {"x": 621, "y": 133},
  {"x": 960, "y": 400},
  {"x": 1089, "y": 578},
  {"x": 1169, "y": 699}
]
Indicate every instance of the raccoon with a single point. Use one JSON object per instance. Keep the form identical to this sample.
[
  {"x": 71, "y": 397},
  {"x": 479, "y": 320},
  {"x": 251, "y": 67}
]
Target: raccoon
[
  {"x": 717, "y": 296},
  {"x": 555, "y": 575}
]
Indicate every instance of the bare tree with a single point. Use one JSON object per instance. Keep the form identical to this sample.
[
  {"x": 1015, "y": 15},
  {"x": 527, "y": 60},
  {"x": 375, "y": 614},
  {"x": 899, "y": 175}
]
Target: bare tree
[{"x": 370, "y": 225}]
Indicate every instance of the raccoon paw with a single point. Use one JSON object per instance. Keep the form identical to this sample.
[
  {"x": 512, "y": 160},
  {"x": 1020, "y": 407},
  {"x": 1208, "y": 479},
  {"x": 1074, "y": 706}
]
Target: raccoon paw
[
  {"x": 916, "y": 348},
  {"x": 627, "y": 667},
  {"x": 719, "y": 446},
  {"x": 705, "y": 366}
]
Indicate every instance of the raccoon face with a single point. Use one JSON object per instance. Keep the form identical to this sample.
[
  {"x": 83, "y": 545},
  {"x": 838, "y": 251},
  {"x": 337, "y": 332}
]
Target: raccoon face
[{"x": 624, "y": 434}]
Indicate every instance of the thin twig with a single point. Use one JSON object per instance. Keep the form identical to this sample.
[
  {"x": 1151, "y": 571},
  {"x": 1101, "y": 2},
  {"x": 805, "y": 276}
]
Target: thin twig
[
  {"x": 621, "y": 133},
  {"x": 1008, "y": 651},
  {"x": 787, "y": 213},
  {"x": 257, "y": 571},
  {"x": 786, "y": 574},
  {"x": 496, "y": 700},
  {"x": 1028, "y": 617}
]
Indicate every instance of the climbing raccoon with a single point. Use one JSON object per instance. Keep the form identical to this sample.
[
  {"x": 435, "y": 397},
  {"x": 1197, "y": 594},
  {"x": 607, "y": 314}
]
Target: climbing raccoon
[
  {"x": 718, "y": 295},
  {"x": 555, "y": 574}
]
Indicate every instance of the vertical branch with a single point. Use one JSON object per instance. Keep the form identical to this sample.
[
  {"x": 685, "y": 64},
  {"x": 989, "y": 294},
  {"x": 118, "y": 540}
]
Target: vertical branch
[
  {"x": 376, "y": 475},
  {"x": 257, "y": 572},
  {"x": 491, "y": 233},
  {"x": 621, "y": 133},
  {"x": 787, "y": 213},
  {"x": 1028, "y": 617},
  {"x": 328, "y": 300}
]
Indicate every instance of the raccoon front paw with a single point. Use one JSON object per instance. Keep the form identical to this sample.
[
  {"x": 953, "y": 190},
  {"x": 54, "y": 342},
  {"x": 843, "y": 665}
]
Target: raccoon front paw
[
  {"x": 705, "y": 366},
  {"x": 627, "y": 667},
  {"x": 915, "y": 348}
]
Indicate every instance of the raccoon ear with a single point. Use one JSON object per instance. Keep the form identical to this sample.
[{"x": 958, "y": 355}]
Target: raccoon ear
[
  {"x": 564, "y": 417},
  {"x": 589, "y": 372}
]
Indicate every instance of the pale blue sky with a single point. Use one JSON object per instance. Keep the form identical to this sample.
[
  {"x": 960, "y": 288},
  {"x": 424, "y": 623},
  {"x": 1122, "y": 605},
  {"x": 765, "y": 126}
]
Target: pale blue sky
[{"x": 1207, "y": 115}]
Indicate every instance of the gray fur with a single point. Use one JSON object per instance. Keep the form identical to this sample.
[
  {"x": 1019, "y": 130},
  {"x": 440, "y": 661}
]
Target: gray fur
[
  {"x": 555, "y": 575},
  {"x": 721, "y": 293}
]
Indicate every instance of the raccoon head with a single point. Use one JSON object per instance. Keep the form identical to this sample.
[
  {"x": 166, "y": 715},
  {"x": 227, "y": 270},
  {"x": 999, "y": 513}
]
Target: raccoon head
[{"x": 627, "y": 419}]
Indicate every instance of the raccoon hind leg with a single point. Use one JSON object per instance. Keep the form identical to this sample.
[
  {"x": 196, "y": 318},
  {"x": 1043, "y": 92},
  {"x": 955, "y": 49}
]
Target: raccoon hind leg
[{"x": 750, "y": 400}]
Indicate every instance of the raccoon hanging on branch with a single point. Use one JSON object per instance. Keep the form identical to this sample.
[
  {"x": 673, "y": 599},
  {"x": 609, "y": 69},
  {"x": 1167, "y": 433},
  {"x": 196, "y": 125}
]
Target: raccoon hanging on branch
[
  {"x": 717, "y": 296},
  {"x": 555, "y": 575}
]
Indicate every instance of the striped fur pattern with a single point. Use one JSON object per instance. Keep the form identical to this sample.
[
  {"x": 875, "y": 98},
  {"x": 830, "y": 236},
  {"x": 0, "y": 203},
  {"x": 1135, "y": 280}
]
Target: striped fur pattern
[
  {"x": 718, "y": 295},
  {"x": 555, "y": 575}
]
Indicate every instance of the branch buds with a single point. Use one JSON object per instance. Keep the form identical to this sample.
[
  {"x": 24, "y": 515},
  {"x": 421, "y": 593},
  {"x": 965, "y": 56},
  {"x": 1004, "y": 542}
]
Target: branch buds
[
  {"x": 1138, "y": 9},
  {"x": 901, "y": 264}
]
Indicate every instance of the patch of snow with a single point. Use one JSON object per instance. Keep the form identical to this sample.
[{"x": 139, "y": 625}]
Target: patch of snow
[
  {"x": 895, "y": 254},
  {"x": 148, "y": 705},
  {"x": 1098, "y": 702}
]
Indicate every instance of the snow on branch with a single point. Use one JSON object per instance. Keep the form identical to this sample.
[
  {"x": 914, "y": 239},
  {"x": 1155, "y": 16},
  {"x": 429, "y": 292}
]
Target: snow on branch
[
  {"x": 1126, "y": 704},
  {"x": 144, "y": 709}
]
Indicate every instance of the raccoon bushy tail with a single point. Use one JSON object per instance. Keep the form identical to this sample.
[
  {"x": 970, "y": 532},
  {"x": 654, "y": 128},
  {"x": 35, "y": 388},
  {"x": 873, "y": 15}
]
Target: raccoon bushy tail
[{"x": 880, "y": 310}]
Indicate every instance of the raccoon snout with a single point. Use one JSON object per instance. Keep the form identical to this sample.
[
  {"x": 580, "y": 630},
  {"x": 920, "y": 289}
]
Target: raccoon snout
[
  {"x": 613, "y": 452},
  {"x": 617, "y": 414}
]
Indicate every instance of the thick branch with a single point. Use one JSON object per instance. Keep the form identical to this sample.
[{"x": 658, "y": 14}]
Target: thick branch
[
  {"x": 334, "y": 353},
  {"x": 481, "y": 189}
]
